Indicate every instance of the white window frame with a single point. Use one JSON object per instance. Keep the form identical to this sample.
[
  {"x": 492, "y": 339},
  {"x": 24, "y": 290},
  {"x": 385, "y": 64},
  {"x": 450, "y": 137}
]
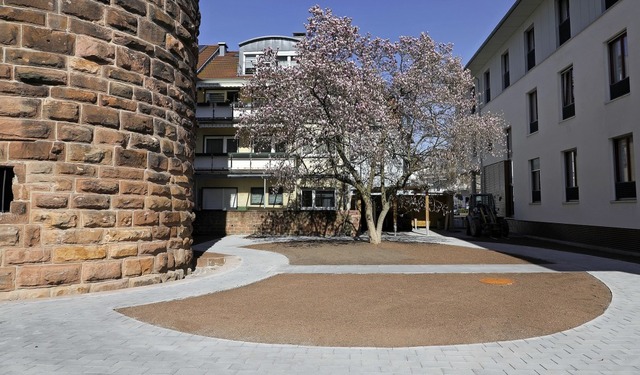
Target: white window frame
[
  {"x": 314, "y": 206},
  {"x": 225, "y": 139}
]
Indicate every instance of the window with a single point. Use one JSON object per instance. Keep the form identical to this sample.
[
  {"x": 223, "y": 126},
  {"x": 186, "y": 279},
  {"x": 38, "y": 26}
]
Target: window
[
  {"x": 219, "y": 198},
  {"x": 534, "y": 164},
  {"x": 506, "y": 79},
  {"x": 324, "y": 199},
  {"x": 571, "y": 176},
  {"x": 609, "y": 3},
  {"x": 257, "y": 196},
  {"x": 487, "y": 86},
  {"x": 250, "y": 61},
  {"x": 624, "y": 159},
  {"x": 275, "y": 196},
  {"x": 568, "y": 104},
  {"x": 618, "y": 67},
  {"x": 266, "y": 145},
  {"x": 6, "y": 197},
  {"x": 533, "y": 111},
  {"x": 564, "y": 22},
  {"x": 530, "y": 45},
  {"x": 220, "y": 145}
]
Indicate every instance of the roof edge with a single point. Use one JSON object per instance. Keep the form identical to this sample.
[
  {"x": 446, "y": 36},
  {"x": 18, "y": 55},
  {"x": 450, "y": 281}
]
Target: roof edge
[{"x": 495, "y": 30}]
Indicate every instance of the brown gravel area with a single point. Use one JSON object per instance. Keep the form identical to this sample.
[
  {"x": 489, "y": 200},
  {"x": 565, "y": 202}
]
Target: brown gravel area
[
  {"x": 385, "y": 310},
  {"x": 386, "y": 253}
]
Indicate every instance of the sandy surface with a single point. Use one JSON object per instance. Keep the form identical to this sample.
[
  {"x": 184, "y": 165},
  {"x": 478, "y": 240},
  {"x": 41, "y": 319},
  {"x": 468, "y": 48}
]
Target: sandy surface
[
  {"x": 349, "y": 252},
  {"x": 387, "y": 310}
]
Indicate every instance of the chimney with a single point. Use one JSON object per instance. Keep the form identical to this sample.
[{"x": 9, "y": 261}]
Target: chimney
[{"x": 222, "y": 48}]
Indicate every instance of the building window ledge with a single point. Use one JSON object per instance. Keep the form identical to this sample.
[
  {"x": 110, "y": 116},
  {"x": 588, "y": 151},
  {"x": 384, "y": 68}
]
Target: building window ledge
[
  {"x": 626, "y": 200},
  {"x": 571, "y": 203}
]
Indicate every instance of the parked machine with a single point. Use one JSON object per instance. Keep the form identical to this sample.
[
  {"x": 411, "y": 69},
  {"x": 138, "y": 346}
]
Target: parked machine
[{"x": 483, "y": 217}]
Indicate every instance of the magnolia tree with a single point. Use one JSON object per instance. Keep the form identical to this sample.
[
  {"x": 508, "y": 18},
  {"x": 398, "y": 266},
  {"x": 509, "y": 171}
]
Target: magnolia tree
[{"x": 381, "y": 115}]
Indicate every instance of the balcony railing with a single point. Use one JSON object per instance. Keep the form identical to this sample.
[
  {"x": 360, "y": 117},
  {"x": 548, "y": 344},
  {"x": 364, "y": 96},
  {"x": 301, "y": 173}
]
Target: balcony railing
[
  {"x": 221, "y": 111},
  {"x": 239, "y": 162}
]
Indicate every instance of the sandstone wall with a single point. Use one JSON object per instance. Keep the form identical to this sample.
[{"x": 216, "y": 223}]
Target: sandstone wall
[
  {"x": 97, "y": 124},
  {"x": 293, "y": 223}
]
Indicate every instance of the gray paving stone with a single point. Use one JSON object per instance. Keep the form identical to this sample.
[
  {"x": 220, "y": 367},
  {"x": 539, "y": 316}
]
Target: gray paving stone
[{"x": 84, "y": 335}]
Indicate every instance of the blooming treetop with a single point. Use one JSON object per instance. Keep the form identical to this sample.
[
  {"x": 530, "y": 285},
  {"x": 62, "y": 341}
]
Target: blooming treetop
[{"x": 383, "y": 115}]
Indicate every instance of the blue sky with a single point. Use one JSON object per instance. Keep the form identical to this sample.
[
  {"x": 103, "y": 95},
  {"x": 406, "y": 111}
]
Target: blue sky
[{"x": 465, "y": 23}]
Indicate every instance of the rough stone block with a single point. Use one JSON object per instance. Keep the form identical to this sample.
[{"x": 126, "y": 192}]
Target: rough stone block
[
  {"x": 83, "y": 65},
  {"x": 161, "y": 178},
  {"x": 89, "y": 82},
  {"x": 162, "y": 262},
  {"x": 22, "y": 15},
  {"x": 158, "y": 204},
  {"x": 145, "y": 218},
  {"x": 69, "y": 93},
  {"x": 34, "y": 58},
  {"x": 137, "y": 123},
  {"x": 133, "y": 187},
  {"x": 91, "y": 201},
  {"x": 88, "y": 154},
  {"x": 9, "y": 235},
  {"x": 22, "y": 256},
  {"x": 98, "y": 186},
  {"x": 123, "y": 251},
  {"x": 152, "y": 248},
  {"x": 75, "y": 133},
  {"x": 19, "y": 129},
  {"x": 78, "y": 253},
  {"x": 47, "y": 40},
  {"x": 59, "y": 220},
  {"x": 151, "y": 32},
  {"x": 85, "y": 9},
  {"x": 95, "y": 50},
  {"x": 170, "y": 219},
  {"x": 121, "y": 90},
  {"x": 81, "y": 27},
  {"x": 125, "y": 218},
  {"x": 160, "y": 190},
  {"x": 109, "y": 286},
  {"x": 130, "y": 158},
  {"x": 127, "y": 235},
  {"x": 145, "y": 280},
  {"x": 73, "y": 237},
  {"x": 41, "y": 76},
  {"x": 111, "y": 137},
  {"x": 97, "y": 271},
  {"x": 7, "y": 278},
  {"x": 121, "y": 173},
  {"x": 161, "y": 233},
  {"x": 95, "y": 115},
  {"x": 123, "y": 75},
  {"x": 76, "y": 169},
  {"x": 161, "y": 18},
  {"x": 99, "y": 219},
  {"x": 135, "y": 6},
  {"x": 61, "y": 111},
  {"x": 51, "y": 201},
  {"x": 122, "y": 21},
  {"x": 9, "y": 33},
  {"x": 72, "y": 290},
  {"x": 22, "y": 89},
  {"x": 19, "y": 107},
  {"x": 31, "y": 235},
  {"x": 43, "y": 275}
]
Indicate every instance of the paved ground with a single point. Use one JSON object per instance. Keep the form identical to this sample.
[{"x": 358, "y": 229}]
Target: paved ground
[{"x": 83, "y": 335}]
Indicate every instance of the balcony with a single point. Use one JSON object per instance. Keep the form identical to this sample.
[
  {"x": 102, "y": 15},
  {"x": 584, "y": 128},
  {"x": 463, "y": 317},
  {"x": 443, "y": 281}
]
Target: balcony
[
  {"x": 224, "y": 112},
  {"x": 239, "y": 162}
]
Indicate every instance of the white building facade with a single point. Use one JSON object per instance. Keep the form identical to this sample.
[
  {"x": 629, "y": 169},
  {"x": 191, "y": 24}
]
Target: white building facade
[{"x": 565, "y": 74}]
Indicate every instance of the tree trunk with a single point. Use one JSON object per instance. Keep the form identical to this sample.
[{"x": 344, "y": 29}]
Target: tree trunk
[{"x": 374, "y": 236}]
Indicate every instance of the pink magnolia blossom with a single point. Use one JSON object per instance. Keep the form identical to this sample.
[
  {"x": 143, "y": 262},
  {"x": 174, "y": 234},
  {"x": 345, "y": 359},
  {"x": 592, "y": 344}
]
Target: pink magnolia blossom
[{"x": 384, "y": 115}]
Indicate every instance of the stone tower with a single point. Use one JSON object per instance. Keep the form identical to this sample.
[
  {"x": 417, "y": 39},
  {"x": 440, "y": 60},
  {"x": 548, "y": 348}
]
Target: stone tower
[{"x": 96, "y": 144}]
